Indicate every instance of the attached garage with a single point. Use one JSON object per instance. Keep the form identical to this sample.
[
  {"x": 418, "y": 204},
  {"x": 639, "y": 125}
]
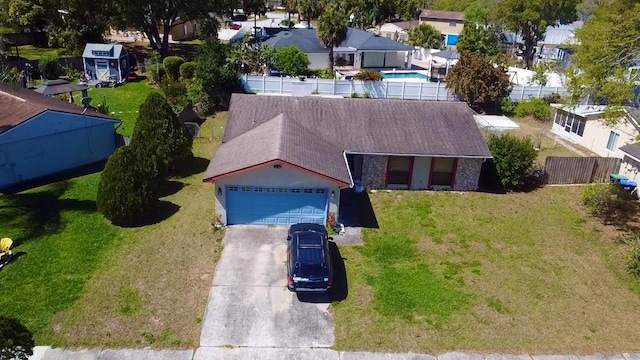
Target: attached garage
[{"x": 266, "y": 205}]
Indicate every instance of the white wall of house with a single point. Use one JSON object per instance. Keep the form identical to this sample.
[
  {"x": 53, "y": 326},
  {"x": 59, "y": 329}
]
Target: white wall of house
[
  {"x": 318, "y": 60},
  {"x": 630, "y": 171},
  {"x": 597, "y": 134},
  {"x": 285, "y": 176},
  {"x": 421, "y": 170}
]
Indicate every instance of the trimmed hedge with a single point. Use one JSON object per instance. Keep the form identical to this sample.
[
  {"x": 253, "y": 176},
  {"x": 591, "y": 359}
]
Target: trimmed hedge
[
  {"x": 187, "y": 70},
  {"x": 127, "y": 192},
  {"x": 172, "y": 65},
  {"x": 538, "y": 108},
  {"x": 514, "y": 159}
]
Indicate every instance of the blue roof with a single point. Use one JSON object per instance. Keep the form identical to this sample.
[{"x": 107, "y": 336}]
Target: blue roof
[
  {"x": 307, "y": 40},
  {"x": 104, "y": 51}
]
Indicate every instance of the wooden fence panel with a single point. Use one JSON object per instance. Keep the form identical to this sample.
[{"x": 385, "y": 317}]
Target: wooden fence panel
[{"x": 579, "y": 170}]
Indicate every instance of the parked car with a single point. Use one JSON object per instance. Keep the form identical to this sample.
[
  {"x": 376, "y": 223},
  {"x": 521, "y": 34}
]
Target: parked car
[
  {"x": 308, "y": 258},
  {"x": 234, "y": 26},
  {"x": 239, "y": 17}
]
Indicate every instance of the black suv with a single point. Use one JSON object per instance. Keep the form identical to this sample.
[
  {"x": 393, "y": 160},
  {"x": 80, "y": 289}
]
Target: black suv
[{"x": 308, "y": 260}]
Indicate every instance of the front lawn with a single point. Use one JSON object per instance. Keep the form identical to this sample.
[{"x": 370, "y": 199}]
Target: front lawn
[
  {"x": 124, "y": 102},
  {"x": 37, "y": 53},
  {"x": 79, "y": 281},
  {"x": 490, "y": 273}
]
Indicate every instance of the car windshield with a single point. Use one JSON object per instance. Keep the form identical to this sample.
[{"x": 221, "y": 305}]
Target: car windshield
[{"x": 310, "y": 270}]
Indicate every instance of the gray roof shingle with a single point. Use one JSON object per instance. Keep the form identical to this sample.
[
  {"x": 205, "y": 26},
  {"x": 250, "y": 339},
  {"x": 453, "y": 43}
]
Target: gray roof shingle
[
  {"x": 632, "y": 149},
  {"x": 364, "y": 40},
  {"x": 304, "y": 39},
  {"x": 313, "y": 132}
]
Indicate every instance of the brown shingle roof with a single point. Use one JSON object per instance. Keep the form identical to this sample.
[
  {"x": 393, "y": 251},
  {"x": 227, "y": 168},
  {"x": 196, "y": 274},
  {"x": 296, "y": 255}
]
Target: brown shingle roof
[
  {"x": 279, "y": 139},
  {"x": 313, "y": 132},
  {"x": 19, "y": 105},
  {"x": 442, "y": 15}
]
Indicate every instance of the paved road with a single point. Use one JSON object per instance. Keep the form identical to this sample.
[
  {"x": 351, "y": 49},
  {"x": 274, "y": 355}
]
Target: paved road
[{"x": 249, "y": 304}]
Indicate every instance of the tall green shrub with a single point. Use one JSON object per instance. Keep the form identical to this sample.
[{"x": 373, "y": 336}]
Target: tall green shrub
[
  {"x": 128, "y": 187},
  {"x": 50, "y": 68},
  {"x": 538, "y": 108},
  {"x": 292, "y": 60},
  {"x": 514, "y": 159},
  {"x": 16, "y": 341},
  {"x": 159, "y": 133},
  {"x": 172, "y": 65},
  {"x": 187, "y": 70}
]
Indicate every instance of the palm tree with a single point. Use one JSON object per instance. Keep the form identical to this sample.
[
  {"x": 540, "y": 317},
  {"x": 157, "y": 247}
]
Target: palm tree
[{"x": 332, "y": 30}]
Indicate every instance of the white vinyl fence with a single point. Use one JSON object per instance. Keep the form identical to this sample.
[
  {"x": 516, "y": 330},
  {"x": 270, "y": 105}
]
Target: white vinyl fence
[{"x": 406, "y": 90}]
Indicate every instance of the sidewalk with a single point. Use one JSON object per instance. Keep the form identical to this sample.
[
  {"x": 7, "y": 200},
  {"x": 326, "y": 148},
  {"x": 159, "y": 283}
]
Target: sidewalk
[{"x": 248, "y": 353}]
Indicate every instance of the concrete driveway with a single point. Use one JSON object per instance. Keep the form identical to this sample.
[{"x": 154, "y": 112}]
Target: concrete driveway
[{"x": 249, "y": 304}]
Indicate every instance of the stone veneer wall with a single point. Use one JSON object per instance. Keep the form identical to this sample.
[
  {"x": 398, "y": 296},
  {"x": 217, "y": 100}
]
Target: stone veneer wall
[
  {"x": 374, "y": 171},
  {"x": 468, "y": 174}
]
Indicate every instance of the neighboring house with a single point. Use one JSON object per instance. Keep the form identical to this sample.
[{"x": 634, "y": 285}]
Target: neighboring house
[
  {"x": 583, "y": 125},
  {"x": 630, "y": 166},
  {"x": 284, "y": 160},
  {"x": 360, "y": 50},
  {"x": 183, "y": 30},
  {"x": 42, "y": 136},
  {"x": 397, "y": 31},
  {"x": 556, "y": 44},
  {"x": 106, "y": 62},
  {"x": 449, "y": 23}
]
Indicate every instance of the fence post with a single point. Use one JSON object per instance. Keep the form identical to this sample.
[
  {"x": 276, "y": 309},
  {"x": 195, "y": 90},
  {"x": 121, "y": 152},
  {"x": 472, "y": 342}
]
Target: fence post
[
  {"x": 539, "y": 91},
  {"x": 438, "y": 91},
  {"x": 522, "y": 93},
  {"x": 264, "y": 84},
  {"x": 334, "y": 86},
  {"x": 386, "y": 89},
  {"x": 420, "y": 92},
  {"x": 557, "y": 90},
  {"x": 317, "y": 90},
  {"x": 404, "y": 84},
  {"x": 351, "y": 87},
  {"x": 281, "y": 84}
]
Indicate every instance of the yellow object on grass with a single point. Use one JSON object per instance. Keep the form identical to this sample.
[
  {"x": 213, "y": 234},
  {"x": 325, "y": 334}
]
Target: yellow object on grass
[{"x": 5, "y": 245}]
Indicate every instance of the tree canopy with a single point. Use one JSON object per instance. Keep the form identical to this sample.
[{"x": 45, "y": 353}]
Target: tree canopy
[
  {"x": 425, "y": 36},
  {"x": 332, "y": 30},
  {"x": 608, "y": 44},
  {"x": 478, "y": 39},
  {"x": 292, "y": 61},
  {"x": 478, "y": 81},
  {"x": 530, "y": 18}
]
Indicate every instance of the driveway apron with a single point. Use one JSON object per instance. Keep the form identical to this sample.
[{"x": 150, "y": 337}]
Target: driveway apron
[{"x": 249, "y": 304}]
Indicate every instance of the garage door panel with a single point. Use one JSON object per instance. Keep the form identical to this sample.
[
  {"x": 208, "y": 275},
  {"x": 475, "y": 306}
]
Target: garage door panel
[{"x": 275, "y": 206}]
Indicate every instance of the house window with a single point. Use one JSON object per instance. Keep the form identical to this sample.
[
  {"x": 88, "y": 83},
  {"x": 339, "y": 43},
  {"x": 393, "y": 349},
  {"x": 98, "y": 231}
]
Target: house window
[
  {"x": 297, "y": 191},
  {"x": 320, "y": 191},
  {"x": 453, "y": 23},
  {"x": 308, "y": 191},
  {"x": 258, "y": 189},
  {"x": 442, "y": 171},
  {"x": 245, "y": 189},
  {"x": 612, "y": 144},
  {"x": 283, "y": 190},
  {"x": 399, "y": 170},
  {"x": 233, "y": 188},
  {"x": 270, "y": 190},
  {"x": 100, "y": 53},
  {"x": 184, "y": 29}
]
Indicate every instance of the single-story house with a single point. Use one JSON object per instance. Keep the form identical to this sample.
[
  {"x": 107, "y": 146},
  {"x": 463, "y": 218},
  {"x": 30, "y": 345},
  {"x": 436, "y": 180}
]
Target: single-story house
[
  {"x": 360, "y": 50},
  {"x": 449, "y": 23},
  {"x": 42, "y": 136},
  {"x": 583, "y": 125},
  {"x": 284, "y": 160},
  {"x": 398, "y": 31},
  {"x": 182, "y": 30},
  {"x": 106, "y": 62},
  {"x": 630, "y": 166}
]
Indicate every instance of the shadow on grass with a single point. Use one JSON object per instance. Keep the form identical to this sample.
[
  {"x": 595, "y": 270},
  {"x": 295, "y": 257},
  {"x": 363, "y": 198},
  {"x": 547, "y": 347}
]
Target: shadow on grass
[
  {"x": 356, "y": 210},
  {"x": 623, "y": 215},
  {"x": 340, "y": 288},
  {"x": 36, "y": 214},
  {"x": 169, "y": 187},
  {"x": 194, "y": 166},
  {"x": 163, "y": 211}
]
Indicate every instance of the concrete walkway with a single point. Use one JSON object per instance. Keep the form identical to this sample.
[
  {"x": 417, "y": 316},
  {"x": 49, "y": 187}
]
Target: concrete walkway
[
  {"x": 250, "y": 353},
  {"x": 567, "y": 145}
]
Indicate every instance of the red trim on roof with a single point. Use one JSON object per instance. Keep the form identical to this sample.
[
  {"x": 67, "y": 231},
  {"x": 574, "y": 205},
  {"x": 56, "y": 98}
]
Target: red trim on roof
[{"x": 276, "y": 162}]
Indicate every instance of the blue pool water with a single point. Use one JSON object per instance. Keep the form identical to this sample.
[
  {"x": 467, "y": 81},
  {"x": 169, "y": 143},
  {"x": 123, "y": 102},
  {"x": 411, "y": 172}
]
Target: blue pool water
[{"x": 405, "y": 75}]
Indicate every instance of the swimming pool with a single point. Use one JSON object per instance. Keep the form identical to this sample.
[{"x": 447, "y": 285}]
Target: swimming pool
[{"x": 406, "y": 75}]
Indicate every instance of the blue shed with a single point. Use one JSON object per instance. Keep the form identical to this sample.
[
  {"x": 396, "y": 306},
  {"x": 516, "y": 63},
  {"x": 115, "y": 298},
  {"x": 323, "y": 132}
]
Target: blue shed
[
  {"x": 42, "y": 136},
  {"x": 106, "y": 62}
]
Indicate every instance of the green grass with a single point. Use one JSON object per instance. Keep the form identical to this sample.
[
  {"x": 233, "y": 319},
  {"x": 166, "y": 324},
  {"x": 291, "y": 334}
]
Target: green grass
[
  {"x": 78, "y": 281},
  {"x": 124, "y": 102},
  {"x": 489, "y": 273},
  {"x": 6, "y": 30},
  {"x": 31, "y": 52}
]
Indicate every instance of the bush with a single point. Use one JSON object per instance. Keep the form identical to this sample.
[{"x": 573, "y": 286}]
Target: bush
[
  {"x": 187, "y": 70},
  {"x": 292, "y": 61},
  {"x": 369, "y": 75},
  {"x": 16, "y": 341},
  {"x": 50, "y": 68},
  {"x": 355, "y": 95},
  {"x": 507, "y": 107},
  {"x": 553, "y": 98},
  {"x": 128, "y": 186},
  {"x": 158, "y": 133},
  {"x": 72, "y": 73},
  {"x": 172, "y": 65},
  {"x": 600, "y": 198},
  {"x": 175, "y": 92},
  {"x": 514, "y": 159},
  {"x": 103, "y": 107},
  {"x": 633, "y": 257},
  {"x": 287, "y": 23},
  {"x": 537, "y": 108}
]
